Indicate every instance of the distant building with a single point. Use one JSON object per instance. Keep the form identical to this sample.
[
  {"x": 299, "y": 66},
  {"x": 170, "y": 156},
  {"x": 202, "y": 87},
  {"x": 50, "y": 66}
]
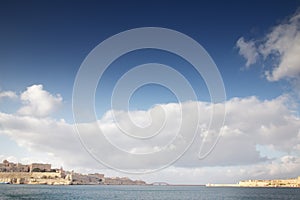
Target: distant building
[
  {"x": 39, "y": 167},
  {"x": 82, "y": 179},
  {"x": 13, "y": 167},
  {"x": 7, "y": 166}
]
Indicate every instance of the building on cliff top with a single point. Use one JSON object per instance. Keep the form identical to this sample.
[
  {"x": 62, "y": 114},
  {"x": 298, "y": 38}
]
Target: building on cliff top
[
  {"x": 40, "y": 167},
  {"x": 7, "y": 166},
  {"x": 13, "y": 167}
]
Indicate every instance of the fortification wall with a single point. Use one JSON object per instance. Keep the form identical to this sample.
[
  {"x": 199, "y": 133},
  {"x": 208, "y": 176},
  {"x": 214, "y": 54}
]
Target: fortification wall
[
  {"x": 294, "y": 182},
  {"x": 33, "y": 178}
]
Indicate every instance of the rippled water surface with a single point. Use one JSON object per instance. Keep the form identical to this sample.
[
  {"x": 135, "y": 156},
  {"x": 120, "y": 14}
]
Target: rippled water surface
[{"x": 143, "y": 192}]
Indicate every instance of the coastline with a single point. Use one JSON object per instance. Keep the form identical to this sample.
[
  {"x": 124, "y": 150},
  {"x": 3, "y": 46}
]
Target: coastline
[
  {"x": 43, "y": 174},
  {"x": 275, "y": 183}
]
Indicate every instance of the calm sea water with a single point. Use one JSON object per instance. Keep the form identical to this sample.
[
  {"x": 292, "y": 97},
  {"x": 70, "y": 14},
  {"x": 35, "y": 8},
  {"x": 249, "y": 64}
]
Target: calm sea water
[{"x": 143, "y": 192}]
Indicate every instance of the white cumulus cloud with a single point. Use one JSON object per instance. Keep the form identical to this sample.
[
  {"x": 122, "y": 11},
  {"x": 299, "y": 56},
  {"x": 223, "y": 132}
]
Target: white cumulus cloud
[
  {"x": 284, "y": 41},
  {"x": 38, "y": 102},
  {"x": 281, "y": 45}
]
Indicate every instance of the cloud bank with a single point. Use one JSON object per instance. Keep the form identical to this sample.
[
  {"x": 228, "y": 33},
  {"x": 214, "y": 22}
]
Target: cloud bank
[{"x": 251, "y": 126}]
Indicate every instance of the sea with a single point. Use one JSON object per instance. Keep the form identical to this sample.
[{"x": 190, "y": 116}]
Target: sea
[{"x": 116, "y": 192}]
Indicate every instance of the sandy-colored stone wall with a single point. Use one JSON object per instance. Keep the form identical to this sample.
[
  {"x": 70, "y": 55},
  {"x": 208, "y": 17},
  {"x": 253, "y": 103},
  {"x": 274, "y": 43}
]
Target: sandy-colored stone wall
[
  {"x": 33, "y": 178},
  {"x": 294, "y": 182},
  {"x": 43, "y": 167}
]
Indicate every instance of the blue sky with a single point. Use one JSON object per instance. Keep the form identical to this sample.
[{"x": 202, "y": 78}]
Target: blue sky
[
  {"x": 52, "y": 39},
  {"x": 45, "y": 43}
]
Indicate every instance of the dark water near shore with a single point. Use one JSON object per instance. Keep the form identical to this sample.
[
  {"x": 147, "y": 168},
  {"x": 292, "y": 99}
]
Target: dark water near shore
[{"x": 143, "y": 192}]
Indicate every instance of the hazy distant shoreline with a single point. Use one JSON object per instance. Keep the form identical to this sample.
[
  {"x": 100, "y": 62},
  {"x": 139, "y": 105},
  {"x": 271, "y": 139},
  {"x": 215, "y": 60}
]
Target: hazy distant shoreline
[{"x": 288, "y": 183}]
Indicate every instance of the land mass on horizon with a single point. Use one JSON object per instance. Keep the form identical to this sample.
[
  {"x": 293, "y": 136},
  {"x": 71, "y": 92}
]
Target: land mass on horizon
[
  {"x": 39, "y": 173},
  {"x": 290, "y": 182}
]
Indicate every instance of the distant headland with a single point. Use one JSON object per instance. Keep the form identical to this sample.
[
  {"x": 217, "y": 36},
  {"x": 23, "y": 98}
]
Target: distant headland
[
  {"x": 291, "y": 182},
  {"x": 39, "y": 173}
]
